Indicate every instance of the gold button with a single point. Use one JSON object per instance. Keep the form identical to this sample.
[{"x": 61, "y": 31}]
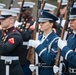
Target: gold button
[
  {"x": 24, "y": 22},
  {"x": 4, "y": 34},
  {"x": 6, "y": 30}
]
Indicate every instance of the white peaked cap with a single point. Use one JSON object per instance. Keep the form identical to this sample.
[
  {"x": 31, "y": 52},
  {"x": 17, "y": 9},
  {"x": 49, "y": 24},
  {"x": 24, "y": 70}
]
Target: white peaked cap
[
  {"x": 2, "y": 5},
  {"x": 58, "y": 1},
  {"x": 74, "y": 4},
  {"x": 16, "y": 10},
  {"x": 1, "y": 17},
  {"x": 49, "y": 7},
  {"x": 8, "y": 12},
  {"x": 64, "y": 2},
  {"x": 30, "y": 4}
]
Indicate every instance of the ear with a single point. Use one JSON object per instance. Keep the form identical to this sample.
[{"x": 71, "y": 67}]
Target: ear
[
  {"x": 51, "y": 24},
  {"x": 11, "y": 20}
]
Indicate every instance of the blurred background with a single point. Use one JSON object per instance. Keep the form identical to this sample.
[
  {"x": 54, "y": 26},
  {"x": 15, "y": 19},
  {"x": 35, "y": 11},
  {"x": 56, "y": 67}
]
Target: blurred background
[{"x": 7, "y": 2}]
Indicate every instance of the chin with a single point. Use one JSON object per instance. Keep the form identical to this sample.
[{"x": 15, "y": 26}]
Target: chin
[
  {"x": 72, "y": 29},
  {"x": 41, "y": 29}
]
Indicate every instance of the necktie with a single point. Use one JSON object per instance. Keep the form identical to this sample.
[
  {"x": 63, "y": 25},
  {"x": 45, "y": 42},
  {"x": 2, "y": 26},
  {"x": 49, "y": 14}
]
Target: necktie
[{"x": 42, "y": 40}]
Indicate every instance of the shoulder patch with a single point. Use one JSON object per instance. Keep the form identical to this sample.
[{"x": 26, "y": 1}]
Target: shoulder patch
[{"x": 11, "y": 40}]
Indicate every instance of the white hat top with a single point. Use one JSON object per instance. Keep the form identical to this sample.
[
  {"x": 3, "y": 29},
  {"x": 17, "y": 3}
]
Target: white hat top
[
  {"x": 74, "y": 4},
  {"x": 30, "y": 4},
  {"x": 64, "y": 2},
  {"x": 49, "y": 7},
  {"x": 8, "y": 12},
  {"x": 2, "y": 5},
  {"x": 58, "y": 1},
  {"x": 16, "y": 10}
]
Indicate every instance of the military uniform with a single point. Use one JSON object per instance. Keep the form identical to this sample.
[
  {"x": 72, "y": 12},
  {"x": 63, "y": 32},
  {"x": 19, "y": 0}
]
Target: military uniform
[
  {"x": 26, "y": 33},
  {"x": 47, "y": 52},
  {"x": 46, "y": 45},
  {"x": 26, "y": 30},
  {"x": 68, "y": 50},
  {"x": 10, "y": 42}
]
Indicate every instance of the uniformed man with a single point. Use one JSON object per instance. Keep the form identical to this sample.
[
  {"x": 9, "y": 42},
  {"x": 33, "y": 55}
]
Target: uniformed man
[
  {"x": 10, "y": 42},
  {"x": 26, "y": 31},
  {"x": 46, "y": 46},
  {"x": 68, "y": 48}
]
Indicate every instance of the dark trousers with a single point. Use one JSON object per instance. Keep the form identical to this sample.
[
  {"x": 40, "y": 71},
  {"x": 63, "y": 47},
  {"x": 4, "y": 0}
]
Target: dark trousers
[{"x": 26, "y": 69}]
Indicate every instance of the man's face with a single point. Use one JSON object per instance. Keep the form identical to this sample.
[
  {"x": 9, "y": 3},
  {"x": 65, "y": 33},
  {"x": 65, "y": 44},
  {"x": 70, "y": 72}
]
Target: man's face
[
  {"x": 26, "y": 13},
  {"x": 5, "y": 23},
  {"x": 73, "y": 24}
]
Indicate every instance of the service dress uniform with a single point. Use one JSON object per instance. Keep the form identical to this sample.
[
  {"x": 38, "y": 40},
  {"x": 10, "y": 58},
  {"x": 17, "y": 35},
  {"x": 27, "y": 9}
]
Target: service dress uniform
[
  {"x": 68, "y": 51},
  {"x": 26, "y": 30},
  {"x": 26, "y": 33},
  {"x": 47, "y": 52},
  {"x": 46, "y": 46},
  {"x": 10, "y": 42}
]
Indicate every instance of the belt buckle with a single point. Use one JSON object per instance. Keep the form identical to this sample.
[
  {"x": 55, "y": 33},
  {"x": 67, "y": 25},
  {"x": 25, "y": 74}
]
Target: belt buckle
[
  {"x": 71, "y": 70},
  {"x": 8, "y": 61}
]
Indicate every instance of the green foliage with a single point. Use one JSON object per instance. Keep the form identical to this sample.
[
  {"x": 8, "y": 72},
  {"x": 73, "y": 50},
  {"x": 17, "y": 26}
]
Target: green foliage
[{"x": 0, "y": 1}]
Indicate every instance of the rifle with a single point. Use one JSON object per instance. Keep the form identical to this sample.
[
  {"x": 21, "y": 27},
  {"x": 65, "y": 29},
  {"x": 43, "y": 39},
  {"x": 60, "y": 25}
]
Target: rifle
[
  {"x": 69, "y": 4},
  {"x": 31, "y": 53},
  {"x": 11, "y": 4},
  {"x": 59, "y": 28},
  {"x": 58, "y": 9},
  {"x": 20, "y": 14},
  {"x": 30, "y": 56}
]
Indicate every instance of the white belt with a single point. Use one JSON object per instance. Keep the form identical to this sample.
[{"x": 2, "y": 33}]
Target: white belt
[
  {"x": 9, "y": 58},
  {"x": 25, "y": 43}
]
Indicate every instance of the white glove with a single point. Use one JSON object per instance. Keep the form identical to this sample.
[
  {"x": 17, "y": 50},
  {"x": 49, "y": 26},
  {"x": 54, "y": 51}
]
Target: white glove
[
  {"x": 55, "y": 69},
  {"x": 62, "y": 43},
  {"x": 17, "y": 23},
  {"x": 34, "y": 43},
  {"x": 32, "y": 67}
]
